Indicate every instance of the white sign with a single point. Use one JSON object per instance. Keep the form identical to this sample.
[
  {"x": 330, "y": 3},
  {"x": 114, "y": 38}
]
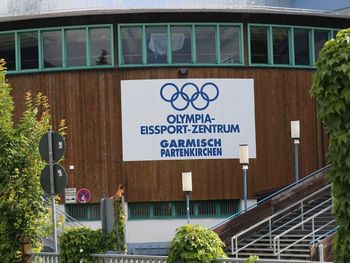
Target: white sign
[
  {"x": 173, "y": 119},
  {"x": 70, "y": 195}
]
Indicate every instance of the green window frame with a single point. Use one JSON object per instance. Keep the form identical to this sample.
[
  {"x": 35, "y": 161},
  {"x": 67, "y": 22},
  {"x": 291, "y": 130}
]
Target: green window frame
[
  {"x": 177, "y": 209},
  {"x": 169, "y": 48},
  {"x": 84, "y": 212},
  {"x": 291, "y": 39},
  {"x": 63, "y": 30}
]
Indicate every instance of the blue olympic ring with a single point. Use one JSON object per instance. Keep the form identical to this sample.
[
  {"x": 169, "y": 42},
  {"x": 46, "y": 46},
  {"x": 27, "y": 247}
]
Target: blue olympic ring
[{"x": 180, "y": 99}]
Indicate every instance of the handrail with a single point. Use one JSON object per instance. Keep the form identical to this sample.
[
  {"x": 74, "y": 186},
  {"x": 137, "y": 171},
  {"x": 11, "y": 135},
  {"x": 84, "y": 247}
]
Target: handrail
[
  {"x": 276, "y": 241},
  {"x": 269, "y": 197},
  {"x": 302, "y": 238},
  {"x": 235, "y": 237},
  {"x": 274, "y": 230},
  {"x": 327, "y": 234}
]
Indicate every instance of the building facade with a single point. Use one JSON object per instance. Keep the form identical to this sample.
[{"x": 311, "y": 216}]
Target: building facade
[{"x": 87, "y": 56}]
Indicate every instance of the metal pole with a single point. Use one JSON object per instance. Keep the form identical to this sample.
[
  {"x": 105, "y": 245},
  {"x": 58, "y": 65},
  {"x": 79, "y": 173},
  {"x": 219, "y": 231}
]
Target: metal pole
[
  {"x": 296, "y": 158},
  {"x": 188, "y": 207},
  {"x": 52, "y": 188},
  {"x": 245, "y": 168}
]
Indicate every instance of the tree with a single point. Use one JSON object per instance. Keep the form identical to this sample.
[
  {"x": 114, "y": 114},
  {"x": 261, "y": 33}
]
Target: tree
[
  {"x": 331, "y": 88},
  {"x": 24, "y": 214}
]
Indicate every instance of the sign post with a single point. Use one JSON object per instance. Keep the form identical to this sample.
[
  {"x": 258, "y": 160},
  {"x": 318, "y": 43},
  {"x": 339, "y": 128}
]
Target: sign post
[
  {"x": 52, "y": 189},
  {"x": 51, "y": 148}
]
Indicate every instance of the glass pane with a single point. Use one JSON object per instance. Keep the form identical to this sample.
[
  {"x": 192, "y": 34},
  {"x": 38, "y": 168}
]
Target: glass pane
[
  {"x": 100, "y": 45},
  {"x": 52, "y": 45},
  {"x": 7, "y": 50},
  {"x": 320, "y": 38},
  {"x": 229, "y": 45},
  {"x": 131, "y": 41},
  {"x": 157, "y": 44},
  {"x": 139, "y": 209},
  {"x": 206, "y": 208},
  {"x": 76, "y": 48},
  {"x": 205, "y": 44},
  {"x": 280, "y": 46},
  {"x": 181, "y": 39},
  {"x": 258, "y": 45},
  {"x": 29, "y": 50},
  {"x": 335, "y": 34},
  {"x": 229, "y": 207},
  {"x": 162, "y": 209},
  {"x": 301, "y": 47}
]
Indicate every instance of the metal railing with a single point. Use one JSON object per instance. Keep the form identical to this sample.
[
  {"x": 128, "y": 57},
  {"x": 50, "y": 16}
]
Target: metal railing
[
  {"x": 243, "y": 260},
  {"x": 277, "y": 240},
  {"x": 43, "y": 257},
  {"x": 269, "y": 197},
  {"x": 116, "y": 258},
  {"x": 269, "y": 220},
  {"x": 107, "y": 258},
  {"x": 318, "y": 242}
]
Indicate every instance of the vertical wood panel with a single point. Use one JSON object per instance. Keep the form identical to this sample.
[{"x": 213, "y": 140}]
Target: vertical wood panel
[{"x": 90, "y": 102}]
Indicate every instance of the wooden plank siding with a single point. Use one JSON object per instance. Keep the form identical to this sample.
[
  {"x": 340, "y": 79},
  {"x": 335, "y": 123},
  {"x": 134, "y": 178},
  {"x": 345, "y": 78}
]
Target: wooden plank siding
[{"x": 90, "y": 102}]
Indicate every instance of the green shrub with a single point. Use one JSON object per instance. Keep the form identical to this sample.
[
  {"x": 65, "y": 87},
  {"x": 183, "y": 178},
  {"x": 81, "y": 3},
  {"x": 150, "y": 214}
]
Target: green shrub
[
  {"x": 78, "y": 243},
  {"x": 194, "y": 243},
  {"x": 252, "y": 259}
]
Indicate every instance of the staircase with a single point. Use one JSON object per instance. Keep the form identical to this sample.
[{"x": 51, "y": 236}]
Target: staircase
[{"x": 282, "y": 226}]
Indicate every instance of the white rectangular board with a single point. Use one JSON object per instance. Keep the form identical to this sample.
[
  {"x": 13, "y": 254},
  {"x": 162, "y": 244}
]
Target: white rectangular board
[{"x": 176, "y": 119}]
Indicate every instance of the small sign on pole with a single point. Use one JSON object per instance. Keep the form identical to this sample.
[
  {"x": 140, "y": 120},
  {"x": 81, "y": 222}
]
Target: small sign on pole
[{"x": 70, "y": 195}]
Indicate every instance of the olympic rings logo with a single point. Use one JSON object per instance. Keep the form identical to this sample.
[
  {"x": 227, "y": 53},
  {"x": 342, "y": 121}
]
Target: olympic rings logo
[{"x": 189, "y": 94}]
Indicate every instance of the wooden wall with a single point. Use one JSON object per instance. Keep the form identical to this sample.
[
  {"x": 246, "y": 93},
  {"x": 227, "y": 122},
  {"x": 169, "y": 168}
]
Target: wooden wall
[{"x": 90, "y": 102}]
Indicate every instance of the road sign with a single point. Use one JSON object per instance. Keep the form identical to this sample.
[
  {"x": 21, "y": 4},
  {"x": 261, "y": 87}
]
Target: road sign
[
  {"x": 58, "y": 146},
  {"x": 59, "y": 177},
  {"x": 70, "y": 195},
  {"x": 84, "y": 195}
]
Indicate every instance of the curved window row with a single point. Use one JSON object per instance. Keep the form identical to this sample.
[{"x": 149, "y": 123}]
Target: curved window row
[
  {"x": 57, "y": 48},
  {"x": 275, "y": 45},
  {"x": 180, "y": 44},
  {"x": 147, "y": 45}
]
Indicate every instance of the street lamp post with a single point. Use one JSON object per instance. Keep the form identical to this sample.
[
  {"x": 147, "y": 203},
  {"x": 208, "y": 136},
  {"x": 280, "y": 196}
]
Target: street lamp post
[
  {"x": 295, "y": 134},
  {"x": 244, "y": 161},
  {"x": 187, "y": 188}
]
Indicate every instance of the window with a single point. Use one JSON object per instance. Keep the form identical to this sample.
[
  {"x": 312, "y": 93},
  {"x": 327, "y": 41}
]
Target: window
[
  {"x": 320, "y": 37},
  {"x": 280, "y": 38},
  {"x": 181, "y": 41},
  {"x": 52, "y": 49},
  {"x": 157, "y": 45},
  {"x": 8, "y": 50},
  {"x": 57, "y": 48},
  {"x": 131, "y": 45},
  {"x": 180, "y": 44},
  {"x": 158, "y": 210},
  {"x": 285, "y": 46},
  {"x": 205, "y": 45},
  {"x": 162, "y": 209},
  {"x": 230, "y": 45},
  {"x": 301, "y": 47},
  {"x": 76, "y": 47},
  {"x": 259, "y": 45},
  {"x": 29, "y": 50},
  {"x": 139, "y": 210},
  {"x": 100, "y": 46},
  {"x": 84, "y": 212}
]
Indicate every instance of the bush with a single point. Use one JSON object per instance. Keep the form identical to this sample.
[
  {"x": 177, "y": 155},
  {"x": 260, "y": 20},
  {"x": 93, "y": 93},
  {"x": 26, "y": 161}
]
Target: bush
[
  {"x": 194, "y": 243},
  {"x": 79, "y": 243}
]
